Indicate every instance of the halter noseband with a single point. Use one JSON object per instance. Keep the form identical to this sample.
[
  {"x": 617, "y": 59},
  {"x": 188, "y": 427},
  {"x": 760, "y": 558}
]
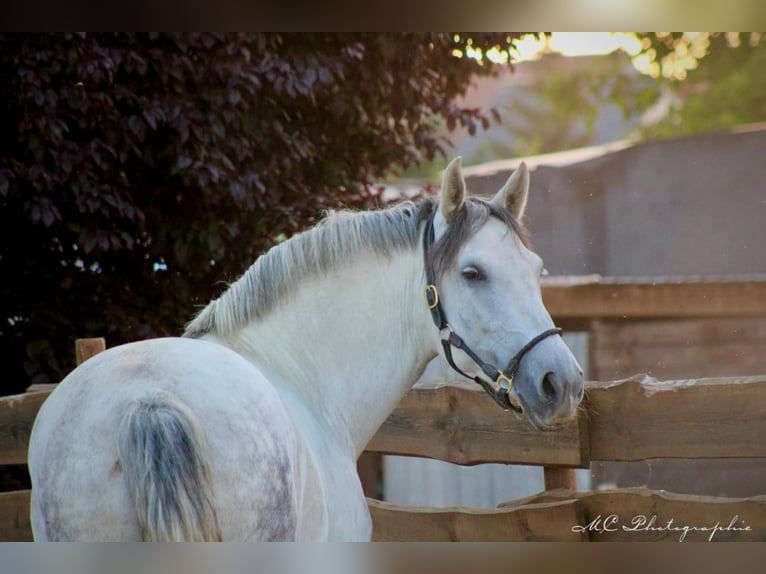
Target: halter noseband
[{"x": 502, "y": 381}]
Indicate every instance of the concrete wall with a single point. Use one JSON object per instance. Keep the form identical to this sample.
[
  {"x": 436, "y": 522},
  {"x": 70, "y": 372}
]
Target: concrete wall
[{"x": 690, "y": 206}]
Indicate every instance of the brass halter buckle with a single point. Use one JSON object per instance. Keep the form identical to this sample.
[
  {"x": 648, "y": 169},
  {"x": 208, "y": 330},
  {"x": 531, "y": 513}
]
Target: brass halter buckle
[
  {"x": 432, "y": 297},
  {"x": 499, "y": 383}
]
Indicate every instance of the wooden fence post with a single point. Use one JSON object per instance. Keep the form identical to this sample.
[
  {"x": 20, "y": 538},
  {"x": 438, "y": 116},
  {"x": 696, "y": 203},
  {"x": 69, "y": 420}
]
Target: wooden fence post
[
  {"x": 557, "y": 477},
  {"x": 84, "y": 349}
]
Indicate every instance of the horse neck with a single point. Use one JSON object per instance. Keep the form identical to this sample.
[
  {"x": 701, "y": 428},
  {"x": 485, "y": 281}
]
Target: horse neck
[{"x": 347, "y": 345}]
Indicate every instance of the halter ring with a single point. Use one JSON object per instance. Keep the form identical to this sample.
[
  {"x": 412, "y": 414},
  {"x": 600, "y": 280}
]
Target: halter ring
[{"x": 498, "y": 382}]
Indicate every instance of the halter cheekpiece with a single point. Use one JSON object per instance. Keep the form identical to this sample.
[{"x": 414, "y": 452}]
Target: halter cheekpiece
[{"x": 501, "y": 381}]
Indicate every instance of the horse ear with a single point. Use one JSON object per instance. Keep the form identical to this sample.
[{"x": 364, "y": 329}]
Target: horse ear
[
  {"x": 453, "y": 190},
  {"x": 514, "y": 193}
]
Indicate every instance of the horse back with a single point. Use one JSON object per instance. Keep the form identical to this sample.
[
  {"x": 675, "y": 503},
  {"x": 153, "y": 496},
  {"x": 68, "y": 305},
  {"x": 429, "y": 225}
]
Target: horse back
[{"x": 254, "y": 459}]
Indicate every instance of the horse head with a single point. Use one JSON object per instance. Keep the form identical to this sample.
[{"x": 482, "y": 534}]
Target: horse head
[{"x": 483, "y": 290}]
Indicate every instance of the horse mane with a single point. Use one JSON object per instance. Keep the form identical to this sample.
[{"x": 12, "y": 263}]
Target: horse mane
[
  {"x": 337, "y": 239},
  {"x": 275, "y": 275}
]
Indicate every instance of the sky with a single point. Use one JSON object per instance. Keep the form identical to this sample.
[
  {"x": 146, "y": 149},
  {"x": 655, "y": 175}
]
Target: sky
[
  {"x": 579, "y": 44},
  {"x": 591, "y": 43},
  {"x": 568, "y": 43}
]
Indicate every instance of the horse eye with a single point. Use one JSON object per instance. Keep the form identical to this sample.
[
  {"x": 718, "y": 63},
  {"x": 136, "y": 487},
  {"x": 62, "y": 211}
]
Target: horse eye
[{"x": 472, "y": 273}]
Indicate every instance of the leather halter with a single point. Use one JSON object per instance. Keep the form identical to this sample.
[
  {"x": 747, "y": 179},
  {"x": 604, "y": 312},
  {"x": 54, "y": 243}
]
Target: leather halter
[{"x": 501, "y": 381}]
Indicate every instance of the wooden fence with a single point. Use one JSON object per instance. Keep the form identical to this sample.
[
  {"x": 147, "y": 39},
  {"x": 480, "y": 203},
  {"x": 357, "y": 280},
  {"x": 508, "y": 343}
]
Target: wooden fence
[{"x": 635, "y": 419}]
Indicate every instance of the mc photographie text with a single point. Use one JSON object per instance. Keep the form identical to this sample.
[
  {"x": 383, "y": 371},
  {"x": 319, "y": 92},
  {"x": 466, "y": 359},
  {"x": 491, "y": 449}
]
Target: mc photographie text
[{"x": 642, "y": 524}]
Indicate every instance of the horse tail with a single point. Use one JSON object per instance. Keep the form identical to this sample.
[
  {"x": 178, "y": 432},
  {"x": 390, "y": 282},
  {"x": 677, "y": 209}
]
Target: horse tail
[{"x": 163, "y": 455}]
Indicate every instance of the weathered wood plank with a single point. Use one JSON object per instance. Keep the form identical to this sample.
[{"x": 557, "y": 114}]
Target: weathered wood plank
[
  {"x": 636, "y": 419},
  {"x": 547, "y": 521},
  {"x": 642, "y": 515},
  {"x": 84, "y": 349},
  {"x": 678, "y": 348},
  {"x": 638, "y": 515},
  {"x": 642, "y": 418},
  {"x": 462, "y": 425},
  {"x": 681, "y": 332},
  {"x": 14, "y": 516},
  {"x": 609, "y": 298},
  {"x": 17, "y": 415},
  {"x": 18, "y": 412},
  {"x": 38, "y": 387},
  {"x": 556, "y": 477}
]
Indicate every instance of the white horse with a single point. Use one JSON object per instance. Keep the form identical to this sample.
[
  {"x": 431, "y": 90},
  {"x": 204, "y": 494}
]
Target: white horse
[{"x": 249, "y": 426}]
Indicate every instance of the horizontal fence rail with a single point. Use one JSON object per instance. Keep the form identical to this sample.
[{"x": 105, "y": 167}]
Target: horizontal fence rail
[
  {"x": 627, "y": 515},
  {"x": 461, "y": 424},
  {"x": 14, "y": 516},
  {"x": 596, "y": 297},
  {"x": 635, "y": 419},
  {"x": 17, "y": 414}
]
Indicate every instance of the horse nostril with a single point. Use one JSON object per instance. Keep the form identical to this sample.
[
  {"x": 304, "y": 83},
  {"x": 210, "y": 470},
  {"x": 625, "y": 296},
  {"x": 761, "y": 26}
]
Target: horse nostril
[{"x": 549, "y": 389}]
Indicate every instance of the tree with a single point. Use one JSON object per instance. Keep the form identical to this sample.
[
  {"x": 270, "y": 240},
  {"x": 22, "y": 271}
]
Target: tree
[
  {"x": 559, "y": 111},
  {"x": 715, "y": 80},
  {"x": 691, "y": 83},
  {"x": 566, "y": 103},
  {"x": 138, "y": 171}
]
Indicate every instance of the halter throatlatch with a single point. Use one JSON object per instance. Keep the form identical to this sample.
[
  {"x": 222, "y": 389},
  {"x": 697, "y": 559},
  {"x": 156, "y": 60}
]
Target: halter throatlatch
[{"x": 501, "y": 381}]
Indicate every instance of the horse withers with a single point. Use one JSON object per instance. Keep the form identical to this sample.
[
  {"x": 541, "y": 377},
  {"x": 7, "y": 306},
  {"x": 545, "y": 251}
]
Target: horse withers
[{"x": 249, "y": 426}]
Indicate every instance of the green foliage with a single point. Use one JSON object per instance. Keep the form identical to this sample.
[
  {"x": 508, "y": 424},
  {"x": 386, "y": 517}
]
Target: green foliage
[
  {"x": 559, "y": 109},
  {"x": 557, "y": 113},
  {"x": 703, "y": 82},
  {"x": 138, "y": 171},
  {"x": 720, "y": 86}
]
